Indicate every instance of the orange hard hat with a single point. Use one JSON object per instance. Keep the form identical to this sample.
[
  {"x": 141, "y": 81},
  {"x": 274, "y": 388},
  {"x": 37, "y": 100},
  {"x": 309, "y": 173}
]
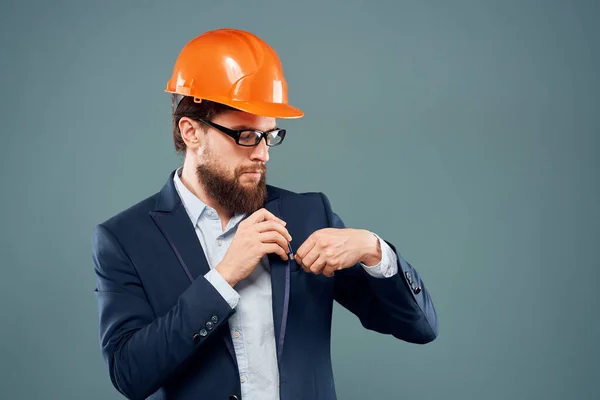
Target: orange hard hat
[{"x": 235, "y": 68}]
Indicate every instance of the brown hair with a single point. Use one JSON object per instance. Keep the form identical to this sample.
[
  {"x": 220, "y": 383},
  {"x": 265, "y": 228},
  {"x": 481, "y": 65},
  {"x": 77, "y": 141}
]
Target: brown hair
[{"x": 188, "y": 108}]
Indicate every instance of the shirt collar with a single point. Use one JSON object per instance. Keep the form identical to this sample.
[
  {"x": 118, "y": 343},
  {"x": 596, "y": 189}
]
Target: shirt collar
[{"x": 192, "y": 204}]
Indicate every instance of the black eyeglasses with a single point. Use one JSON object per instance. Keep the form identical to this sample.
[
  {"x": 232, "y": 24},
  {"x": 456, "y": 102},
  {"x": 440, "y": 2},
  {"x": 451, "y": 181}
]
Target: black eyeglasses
[{"x": 250, "y": 137}]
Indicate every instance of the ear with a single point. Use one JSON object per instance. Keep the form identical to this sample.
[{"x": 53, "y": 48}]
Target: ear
[{"x": 190, "y": 132}]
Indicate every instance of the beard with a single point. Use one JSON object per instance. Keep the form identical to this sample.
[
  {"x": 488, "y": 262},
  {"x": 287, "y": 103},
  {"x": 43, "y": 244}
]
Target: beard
[{"x": 229, "y": 192}]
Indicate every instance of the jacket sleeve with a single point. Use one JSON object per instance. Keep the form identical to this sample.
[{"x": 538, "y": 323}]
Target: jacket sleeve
[
  {"x": 140, "y": 348},
  {"x": 399, "y": 305}
]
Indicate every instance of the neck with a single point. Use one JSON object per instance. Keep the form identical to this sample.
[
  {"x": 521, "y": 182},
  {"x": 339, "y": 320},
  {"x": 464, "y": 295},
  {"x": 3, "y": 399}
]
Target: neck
[{"x": 190, "y": 180}]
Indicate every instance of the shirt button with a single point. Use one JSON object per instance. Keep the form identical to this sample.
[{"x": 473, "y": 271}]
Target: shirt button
[
  {"x": 209, "y": 212},
  {"x": 236, "y": 334},
  {"x": 242, "y": 379},
  {"x": 219, "y": 242}
]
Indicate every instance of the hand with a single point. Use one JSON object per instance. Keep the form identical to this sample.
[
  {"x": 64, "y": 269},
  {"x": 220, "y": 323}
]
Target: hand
[
  {"x": 331, "y": 249},
  {"x": 259, "y": 234}
]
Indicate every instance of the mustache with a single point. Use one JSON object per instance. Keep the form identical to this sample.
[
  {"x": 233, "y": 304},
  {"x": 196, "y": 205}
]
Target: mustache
[{"x": 260, "y": 169}]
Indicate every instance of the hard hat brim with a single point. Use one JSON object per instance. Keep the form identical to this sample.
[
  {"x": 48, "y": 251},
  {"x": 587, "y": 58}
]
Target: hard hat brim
[
  {"x": 264, "y": 109},
  {"x": 274, "y": 110}
]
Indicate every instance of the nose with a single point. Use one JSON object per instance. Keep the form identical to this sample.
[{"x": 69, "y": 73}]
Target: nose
[{"x": 260, "y": 152}]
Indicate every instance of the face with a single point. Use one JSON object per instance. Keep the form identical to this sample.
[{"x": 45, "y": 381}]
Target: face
[{"x": 234, "y": 176}]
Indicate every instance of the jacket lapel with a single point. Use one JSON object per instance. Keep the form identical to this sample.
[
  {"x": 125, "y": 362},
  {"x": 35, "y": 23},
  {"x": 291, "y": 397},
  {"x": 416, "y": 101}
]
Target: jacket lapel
[
  {"x": 280, "y": 282},
  {"x": 174, "y": 222}
]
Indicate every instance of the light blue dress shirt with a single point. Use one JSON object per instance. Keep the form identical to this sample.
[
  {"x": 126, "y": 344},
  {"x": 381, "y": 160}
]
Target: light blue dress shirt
[{"x": 251, "y": 326}]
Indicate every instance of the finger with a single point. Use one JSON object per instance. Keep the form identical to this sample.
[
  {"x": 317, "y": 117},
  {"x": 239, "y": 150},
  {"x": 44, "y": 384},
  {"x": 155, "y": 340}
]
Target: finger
[
  {"x": 300, "y": 263},
  {"x": 306, "y": 247},
  {"x": 270, "y": 248},
  {"x": 267, "y": 226},
  {"x": 274, "y": 237},
  {"x": 310, "y": 258},
  {"x": 328, "y": 272},
  {"x": 264, "y": 215},
  {"x": 318, "y": 266}
]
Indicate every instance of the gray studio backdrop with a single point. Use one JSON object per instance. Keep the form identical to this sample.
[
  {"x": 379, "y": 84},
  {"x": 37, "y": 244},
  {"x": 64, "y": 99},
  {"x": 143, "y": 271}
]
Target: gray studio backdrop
[{"x": 465, "y": 132}]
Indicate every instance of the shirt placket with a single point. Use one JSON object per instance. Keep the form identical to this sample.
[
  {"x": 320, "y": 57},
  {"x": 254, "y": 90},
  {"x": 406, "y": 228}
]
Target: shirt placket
[{"x": 222, "y": 242}]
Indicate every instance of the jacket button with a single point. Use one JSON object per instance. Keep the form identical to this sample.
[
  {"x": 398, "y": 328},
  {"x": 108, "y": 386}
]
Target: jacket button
[
  {"x": 209, "y": 325},
  {"x": 196, "y": 337},
  {"x": 417, "y": 289},
  {"x": 233, "y": 397},
  {"x": 203, "y": 332},
  {"x": 408, "y": 277},
  {"x": 214, "y": 319}
]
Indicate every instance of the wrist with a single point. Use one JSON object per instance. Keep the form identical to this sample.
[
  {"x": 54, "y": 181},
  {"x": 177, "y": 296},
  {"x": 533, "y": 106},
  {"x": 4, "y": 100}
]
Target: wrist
[
  {"x": 372, "y": 254},
  {"x": 225, "y": 272}
]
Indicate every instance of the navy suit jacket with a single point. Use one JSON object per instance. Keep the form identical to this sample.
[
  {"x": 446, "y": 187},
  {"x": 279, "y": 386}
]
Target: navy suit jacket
[{"x": 155, "y": 304}]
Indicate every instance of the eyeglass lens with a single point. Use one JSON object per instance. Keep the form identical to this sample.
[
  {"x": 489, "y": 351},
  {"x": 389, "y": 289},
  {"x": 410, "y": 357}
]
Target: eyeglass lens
[{"x": 251, "y": 138}]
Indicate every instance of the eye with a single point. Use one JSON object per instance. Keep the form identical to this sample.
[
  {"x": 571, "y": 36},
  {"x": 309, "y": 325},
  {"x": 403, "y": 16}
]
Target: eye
[{"x": 248, "y": 137}]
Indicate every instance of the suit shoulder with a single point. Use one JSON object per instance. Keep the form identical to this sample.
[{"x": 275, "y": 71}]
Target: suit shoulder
[
  {"x": 309, "y": 201},
  {"x": 287, "y": 194},
  {"x": 133, "y": 213}
]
